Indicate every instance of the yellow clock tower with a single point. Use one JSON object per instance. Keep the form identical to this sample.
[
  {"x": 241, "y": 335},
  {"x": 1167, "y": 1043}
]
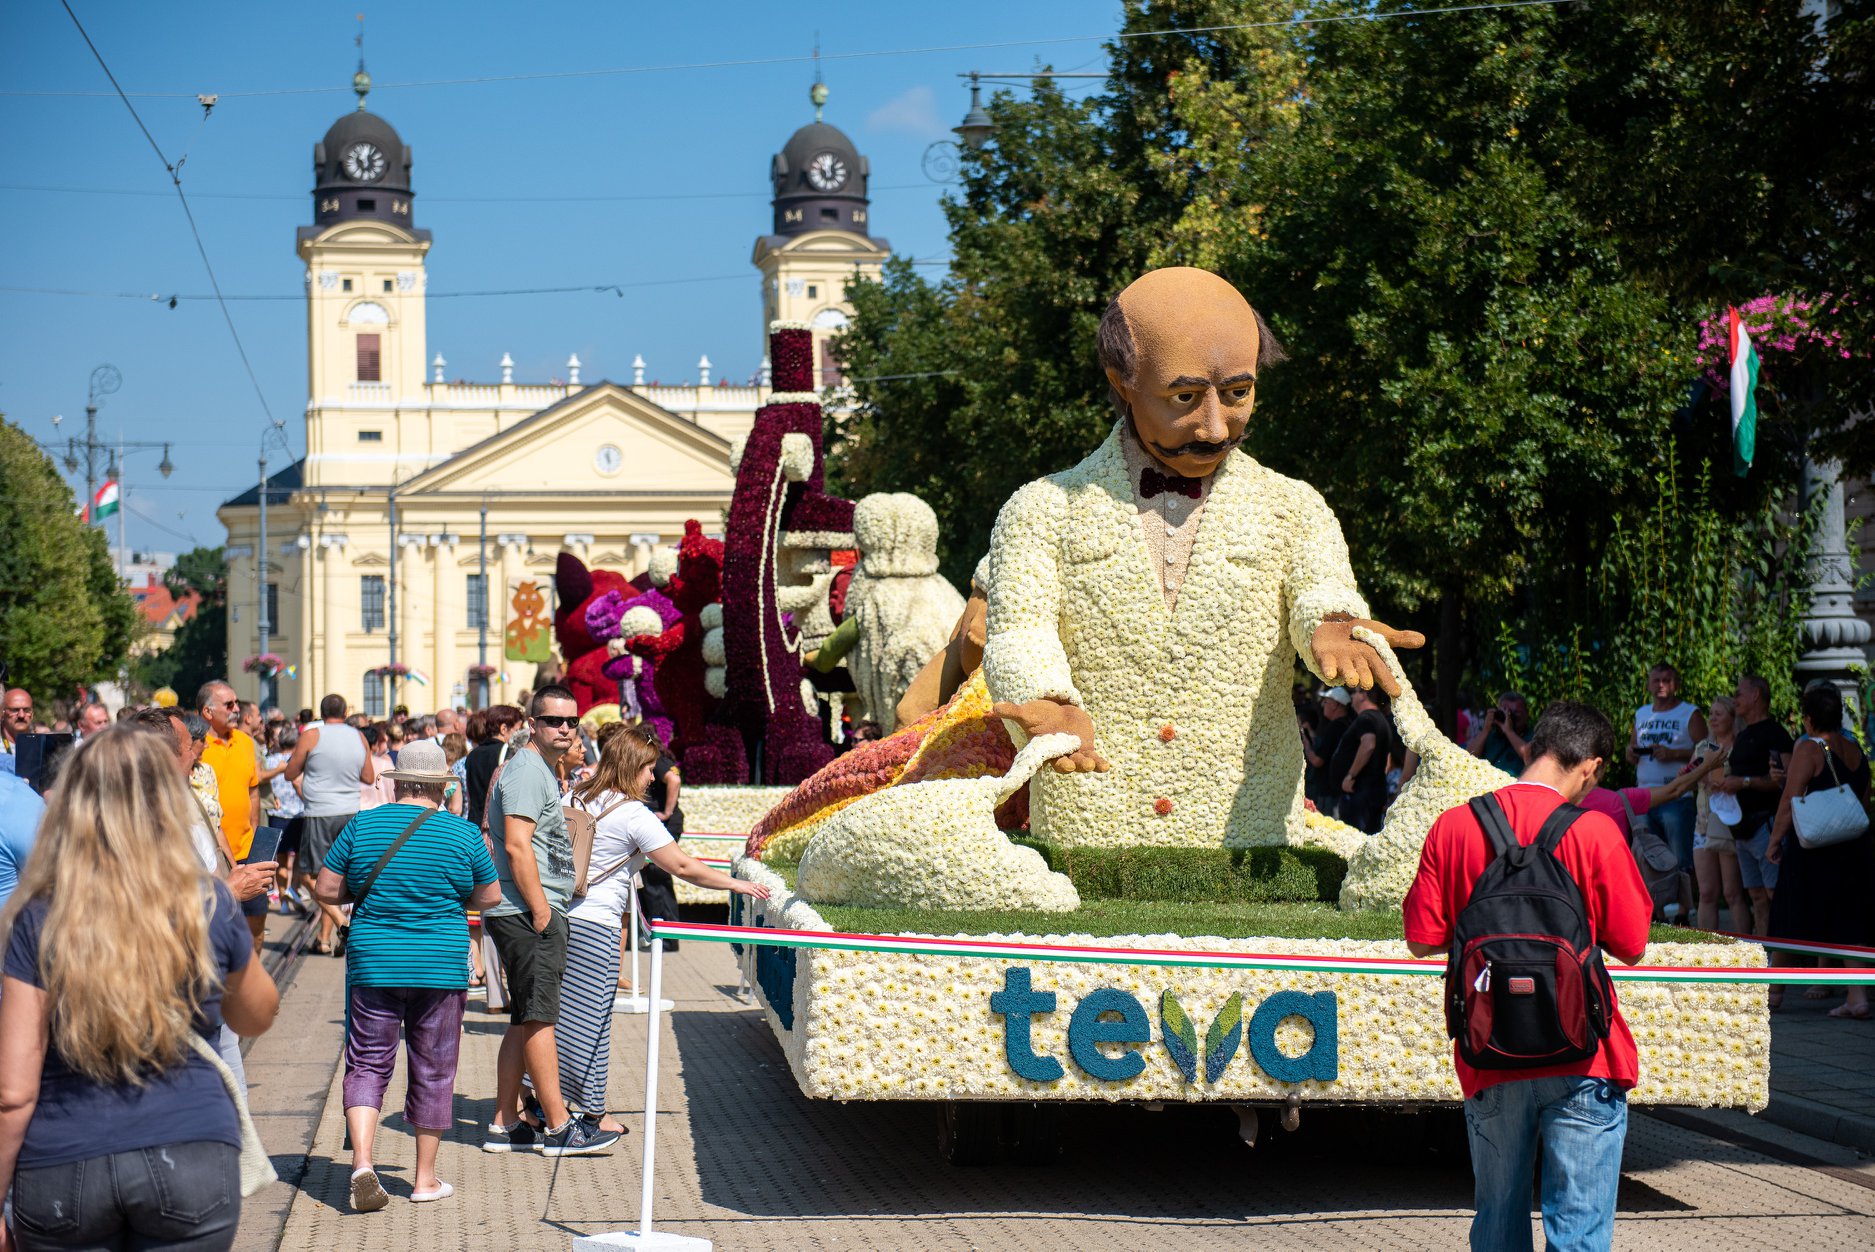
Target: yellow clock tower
[
  {"x": 364, "y": 308},
  {"x": 822, "y": 236}
]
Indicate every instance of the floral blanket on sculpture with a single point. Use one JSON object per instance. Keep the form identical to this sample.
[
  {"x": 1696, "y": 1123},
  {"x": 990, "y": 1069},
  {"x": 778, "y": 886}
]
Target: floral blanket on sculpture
[{"x": 958, "y": 740}]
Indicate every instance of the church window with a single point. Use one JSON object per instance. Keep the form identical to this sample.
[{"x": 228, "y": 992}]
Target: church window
[
  {"x": 478, "y": 601},
  {"x": 367, "y": 206},
  {"x": 345, "y": 284},
  {"x": 374, "y": 694},
  {"x": 371, "y": 601},
  {"x": 813, "y": 293},
  {"x": 370, "y": 436},
  {"x": 387, "y": 284},
  {"x": 830, "y": 215},
  {"x": 369, "y": 368}
]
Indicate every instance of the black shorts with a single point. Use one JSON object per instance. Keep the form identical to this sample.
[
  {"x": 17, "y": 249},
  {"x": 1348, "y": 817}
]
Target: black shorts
[
  {"x": 533, "y": 963},
  {"x": 256, "y": 907}
]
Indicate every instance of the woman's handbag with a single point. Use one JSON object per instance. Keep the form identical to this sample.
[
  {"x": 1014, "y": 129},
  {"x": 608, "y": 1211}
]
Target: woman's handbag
[
  {"x": 256, "y": 1168},
  {"x": 1833, "y": 815}
]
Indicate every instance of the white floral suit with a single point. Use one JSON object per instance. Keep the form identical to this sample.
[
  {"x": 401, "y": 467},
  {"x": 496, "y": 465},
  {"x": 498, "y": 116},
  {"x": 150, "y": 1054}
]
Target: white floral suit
[{"x": 1190, "y": 706}]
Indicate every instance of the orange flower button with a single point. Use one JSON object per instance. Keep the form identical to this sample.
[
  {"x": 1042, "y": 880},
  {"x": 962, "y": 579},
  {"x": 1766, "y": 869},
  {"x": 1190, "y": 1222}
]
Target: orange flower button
[
  {"x": 1168, "y": 732},
  {"x": 1162, "y": 806}
]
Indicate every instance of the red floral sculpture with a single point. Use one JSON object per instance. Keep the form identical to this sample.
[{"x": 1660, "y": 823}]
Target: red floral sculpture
[
  {"x": 710, "y": 751},
  {"x": 776, "y": 567},
  {"x": 576, "y": 588}
]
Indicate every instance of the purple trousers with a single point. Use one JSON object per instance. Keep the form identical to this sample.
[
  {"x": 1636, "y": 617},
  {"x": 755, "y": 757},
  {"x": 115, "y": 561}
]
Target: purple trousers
[{"x": 431, "y": 1023}]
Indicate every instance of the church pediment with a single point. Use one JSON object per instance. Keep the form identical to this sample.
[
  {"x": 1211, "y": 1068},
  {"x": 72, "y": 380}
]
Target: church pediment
[
  {"x": 602, "y": 440},
  {"x": 370, "y": 559}
]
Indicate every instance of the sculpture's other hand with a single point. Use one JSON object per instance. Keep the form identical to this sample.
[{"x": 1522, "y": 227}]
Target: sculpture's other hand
[
  {"x": 1343, "y": 659},
  {"x": 1048, "y": 717}
]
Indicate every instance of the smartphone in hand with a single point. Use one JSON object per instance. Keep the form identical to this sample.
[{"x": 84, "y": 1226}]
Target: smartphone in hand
[{"x": 266, "y": 845}]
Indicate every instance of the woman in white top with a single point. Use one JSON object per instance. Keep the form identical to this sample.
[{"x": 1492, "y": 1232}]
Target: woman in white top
[{"x": 626, "y": 835}]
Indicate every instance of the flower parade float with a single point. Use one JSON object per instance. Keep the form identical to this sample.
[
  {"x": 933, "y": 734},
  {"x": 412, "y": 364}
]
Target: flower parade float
[
  {"x": 778, "y": 569},
  {"x": 1175, "y": 924}
]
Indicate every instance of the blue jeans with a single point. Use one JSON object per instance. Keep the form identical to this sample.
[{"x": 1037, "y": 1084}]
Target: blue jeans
[
  {"x": 1674, "y": 824},
  {"x": 1576, "y": 1126},
  {"x": 182, "y": 1196}
]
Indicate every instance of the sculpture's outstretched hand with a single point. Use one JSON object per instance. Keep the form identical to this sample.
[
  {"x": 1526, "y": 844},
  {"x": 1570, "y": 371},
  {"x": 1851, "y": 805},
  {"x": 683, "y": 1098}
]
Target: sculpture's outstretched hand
[
  {"x": 1342, "y": 658},
  {"x": 1050, "y": 717}
]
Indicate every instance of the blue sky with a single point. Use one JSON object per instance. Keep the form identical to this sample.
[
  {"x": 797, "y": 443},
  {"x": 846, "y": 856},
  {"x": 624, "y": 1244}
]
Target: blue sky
[{"x": 500, "y": 172}]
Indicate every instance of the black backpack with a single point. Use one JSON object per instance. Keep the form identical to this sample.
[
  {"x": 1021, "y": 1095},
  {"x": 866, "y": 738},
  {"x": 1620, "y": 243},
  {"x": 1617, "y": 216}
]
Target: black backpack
[{"x": 1525, "y": 985}]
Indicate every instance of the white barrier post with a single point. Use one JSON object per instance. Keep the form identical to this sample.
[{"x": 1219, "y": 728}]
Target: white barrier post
[
  {"x": 635, "y": 1002},
  {"x": 645, "y": 1238}
]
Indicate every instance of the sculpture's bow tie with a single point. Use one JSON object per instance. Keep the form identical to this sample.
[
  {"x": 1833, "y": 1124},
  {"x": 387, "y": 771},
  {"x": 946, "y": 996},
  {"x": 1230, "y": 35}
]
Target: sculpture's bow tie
[{"x": 1153, "y": 483}]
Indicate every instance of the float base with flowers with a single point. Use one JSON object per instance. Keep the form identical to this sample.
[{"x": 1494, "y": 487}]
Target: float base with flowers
[{"x": 1055, "y": 1015}]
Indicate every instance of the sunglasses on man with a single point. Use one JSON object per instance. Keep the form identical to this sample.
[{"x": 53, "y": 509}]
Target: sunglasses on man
[{"x": 556, "y": 721}]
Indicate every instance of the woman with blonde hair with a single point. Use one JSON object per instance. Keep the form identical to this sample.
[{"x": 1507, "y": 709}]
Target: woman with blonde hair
[
  {"x": 121, "y": 950},
  {"x": 626, "y": 835}
]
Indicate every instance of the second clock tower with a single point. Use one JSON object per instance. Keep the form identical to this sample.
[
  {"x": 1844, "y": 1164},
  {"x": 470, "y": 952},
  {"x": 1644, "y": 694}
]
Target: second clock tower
[{"x": 822, "y": 236}]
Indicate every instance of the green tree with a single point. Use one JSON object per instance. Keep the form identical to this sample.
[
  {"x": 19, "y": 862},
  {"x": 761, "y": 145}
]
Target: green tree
[
  {"x": 972, "y": 385},
  {"x": 65, "y": 622},
  {"x": 199, "y": 651}
]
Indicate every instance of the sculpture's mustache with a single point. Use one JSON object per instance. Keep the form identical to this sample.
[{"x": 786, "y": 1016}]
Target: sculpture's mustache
[{"x": 1199, "y": 447}]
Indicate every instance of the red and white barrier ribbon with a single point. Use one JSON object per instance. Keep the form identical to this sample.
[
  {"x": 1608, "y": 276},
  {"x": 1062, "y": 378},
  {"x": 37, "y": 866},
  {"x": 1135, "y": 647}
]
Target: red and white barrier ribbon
[{"x": 1189, "y": 958}]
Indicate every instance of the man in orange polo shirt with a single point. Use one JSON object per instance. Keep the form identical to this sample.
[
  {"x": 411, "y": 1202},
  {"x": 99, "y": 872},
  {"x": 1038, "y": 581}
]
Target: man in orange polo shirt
[{"x": 230, "y": 753}]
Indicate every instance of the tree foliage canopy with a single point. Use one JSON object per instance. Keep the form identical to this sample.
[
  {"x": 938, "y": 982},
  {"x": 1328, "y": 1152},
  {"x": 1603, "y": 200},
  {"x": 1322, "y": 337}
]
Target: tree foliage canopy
[
  {"x": 65, "y": 623},
  {"x": 1487, "y": 240}
]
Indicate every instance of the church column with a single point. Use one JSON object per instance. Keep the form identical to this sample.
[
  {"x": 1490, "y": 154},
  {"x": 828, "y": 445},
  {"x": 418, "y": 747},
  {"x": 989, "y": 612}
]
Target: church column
[
  {"x": 408, "y": 579},
  {"x": 332, "y": 675},
  {"x": 443, "y": 620},
  {"x": 498, "y": 605}
]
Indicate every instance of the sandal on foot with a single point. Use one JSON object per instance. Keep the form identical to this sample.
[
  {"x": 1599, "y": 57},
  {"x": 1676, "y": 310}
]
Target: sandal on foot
[
  {"x": 1855, "y": 1012},
  {"x": 1818, "y": 993},
  {"x": 443, "y": 1192},
  {"x": 368, "y": 1194}
]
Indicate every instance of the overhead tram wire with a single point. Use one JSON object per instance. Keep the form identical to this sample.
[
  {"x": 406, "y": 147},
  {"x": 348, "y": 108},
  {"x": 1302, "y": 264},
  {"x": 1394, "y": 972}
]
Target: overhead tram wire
[
  {"x": 431, "y": 199},
  {"x": 756, "y": 62},
  {"x": 617, "y": 289},
  {"x": 276, "y": 427}
]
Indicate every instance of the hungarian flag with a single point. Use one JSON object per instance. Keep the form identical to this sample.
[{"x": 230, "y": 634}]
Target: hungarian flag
[
  {"x": 1744, "y": 385},
  {"x": 102, "y": 505}
]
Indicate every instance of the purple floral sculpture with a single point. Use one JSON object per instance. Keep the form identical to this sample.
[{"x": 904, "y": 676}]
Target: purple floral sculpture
[
  {"x": 777, "y": 568},
  {"x": 638, "y": 643}
]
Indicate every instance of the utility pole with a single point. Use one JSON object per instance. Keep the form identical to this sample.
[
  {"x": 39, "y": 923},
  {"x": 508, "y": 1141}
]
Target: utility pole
[
  {"x": 123, "y": 512},
  {"x": 260, "y": 577},
  {"x": 481, "y": 635}
]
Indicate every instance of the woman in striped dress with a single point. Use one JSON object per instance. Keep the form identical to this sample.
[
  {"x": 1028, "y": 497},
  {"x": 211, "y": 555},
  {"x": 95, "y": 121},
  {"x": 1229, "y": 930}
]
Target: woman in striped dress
[{"x": 627, "y": 834}]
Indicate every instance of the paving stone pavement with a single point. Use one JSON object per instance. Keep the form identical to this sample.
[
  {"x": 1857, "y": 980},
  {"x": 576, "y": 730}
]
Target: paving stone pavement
[
  {"x": 747, "y": 1161},
  {"x": 1823, "y": 1072}
]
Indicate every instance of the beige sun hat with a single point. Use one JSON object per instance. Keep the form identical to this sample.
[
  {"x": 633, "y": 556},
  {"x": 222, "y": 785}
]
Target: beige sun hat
[{"x": 421, "y": 761}]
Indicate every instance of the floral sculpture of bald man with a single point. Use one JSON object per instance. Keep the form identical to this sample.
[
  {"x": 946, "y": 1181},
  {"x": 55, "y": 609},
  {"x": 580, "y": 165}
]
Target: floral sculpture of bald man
[{"x": 1149, "y": 600}]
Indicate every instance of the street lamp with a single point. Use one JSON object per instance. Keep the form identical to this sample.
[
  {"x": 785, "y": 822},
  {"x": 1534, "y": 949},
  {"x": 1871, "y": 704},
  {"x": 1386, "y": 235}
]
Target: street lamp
[{"x": 976, "y": 128}]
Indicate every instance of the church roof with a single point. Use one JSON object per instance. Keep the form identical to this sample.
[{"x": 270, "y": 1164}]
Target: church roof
[{"x": 279, "y": 486}]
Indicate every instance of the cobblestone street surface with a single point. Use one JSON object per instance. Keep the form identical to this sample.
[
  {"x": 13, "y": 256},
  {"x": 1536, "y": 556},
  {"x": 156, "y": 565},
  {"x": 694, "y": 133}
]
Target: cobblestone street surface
[{"x": 745, "y": 1160}]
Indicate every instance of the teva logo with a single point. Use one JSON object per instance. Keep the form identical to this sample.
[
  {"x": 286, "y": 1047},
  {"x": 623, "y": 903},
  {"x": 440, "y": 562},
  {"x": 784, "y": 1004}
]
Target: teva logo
[{"x": 1111, "y": 1016}]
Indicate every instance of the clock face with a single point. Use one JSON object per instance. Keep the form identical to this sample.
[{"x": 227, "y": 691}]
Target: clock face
[
  {"x": 608, "y": 459},
  {"x": 364, "y": 162},
  {"x": 826, "y": 172}
]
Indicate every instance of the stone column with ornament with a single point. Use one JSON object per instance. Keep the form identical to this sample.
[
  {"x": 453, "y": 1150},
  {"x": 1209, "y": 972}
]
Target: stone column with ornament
[{"x": 1834, "y": 637}]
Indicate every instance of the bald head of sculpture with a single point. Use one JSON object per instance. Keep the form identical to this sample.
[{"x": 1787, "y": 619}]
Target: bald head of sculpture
[{"x": 1182, "y": 349}]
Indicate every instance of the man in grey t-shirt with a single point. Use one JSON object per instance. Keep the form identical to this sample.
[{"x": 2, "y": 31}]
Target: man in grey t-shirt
[{"x": 534, "y": 864}]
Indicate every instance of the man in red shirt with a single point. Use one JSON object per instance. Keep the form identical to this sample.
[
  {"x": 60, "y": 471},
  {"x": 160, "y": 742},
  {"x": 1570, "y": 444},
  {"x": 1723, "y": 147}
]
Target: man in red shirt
[{"x": 1578, "y": 1113}]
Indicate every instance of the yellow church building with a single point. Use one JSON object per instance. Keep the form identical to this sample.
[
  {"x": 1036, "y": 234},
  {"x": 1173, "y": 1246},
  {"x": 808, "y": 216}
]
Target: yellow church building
[{"x": 422, "y": 505}]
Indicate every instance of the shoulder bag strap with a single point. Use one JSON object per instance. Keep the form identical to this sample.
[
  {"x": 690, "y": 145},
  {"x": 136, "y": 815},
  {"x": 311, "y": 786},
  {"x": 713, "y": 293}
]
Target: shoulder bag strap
[
  {"x": 1557, "y": 824},
  {"x": 358, "y": 896},
  {"x": 1489, "y": 811},
  {"x": 1829, "y": 759},
  {"x": 619, "y": 864}
]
